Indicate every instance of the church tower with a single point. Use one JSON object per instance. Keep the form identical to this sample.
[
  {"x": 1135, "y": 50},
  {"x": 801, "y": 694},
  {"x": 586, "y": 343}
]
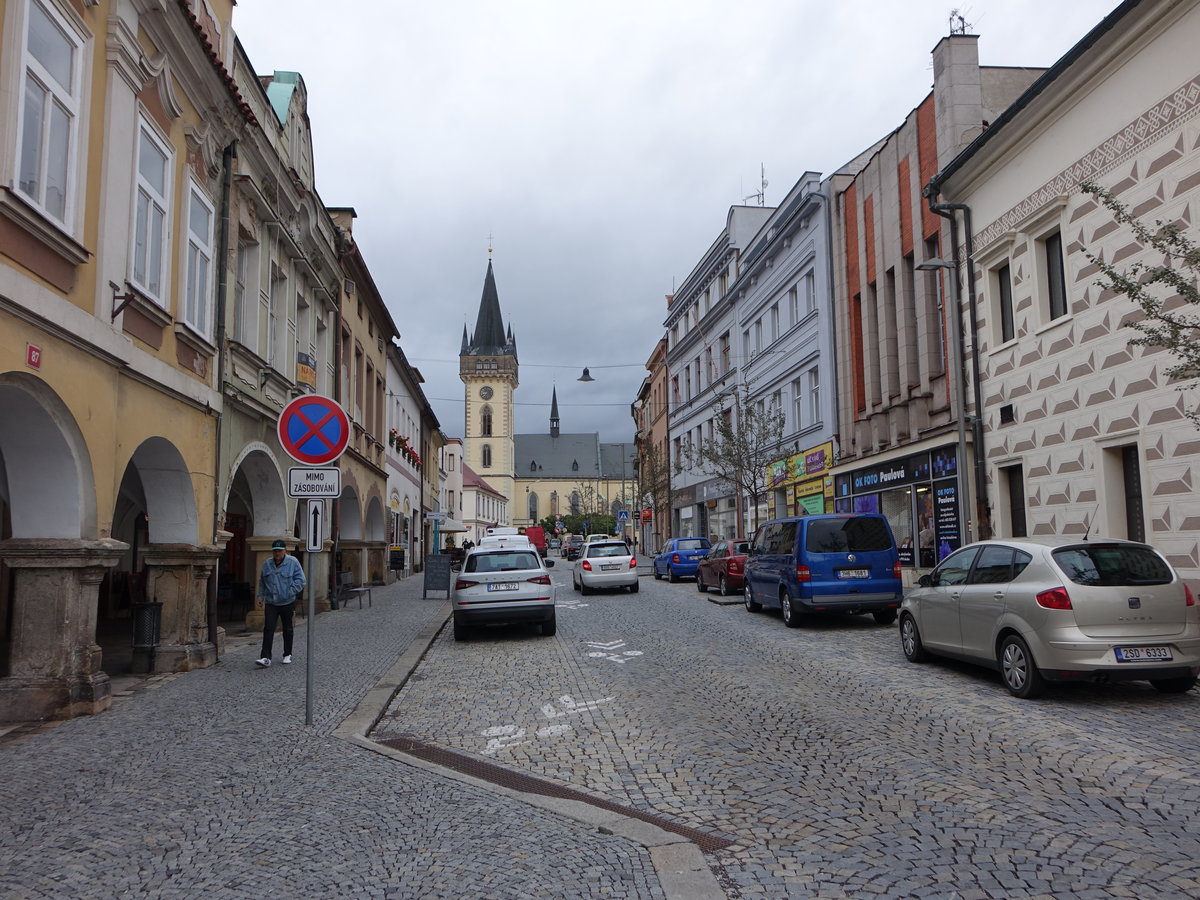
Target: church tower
[{"x": 487, "y": 366}]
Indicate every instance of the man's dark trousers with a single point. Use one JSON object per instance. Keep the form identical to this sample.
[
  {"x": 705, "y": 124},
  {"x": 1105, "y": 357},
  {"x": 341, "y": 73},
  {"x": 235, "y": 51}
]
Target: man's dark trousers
[{"x": 272, "y": 614}]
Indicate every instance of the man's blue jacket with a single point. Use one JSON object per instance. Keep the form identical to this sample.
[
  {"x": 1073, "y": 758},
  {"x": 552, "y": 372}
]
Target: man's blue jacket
[{"x": 281, "y": 584}]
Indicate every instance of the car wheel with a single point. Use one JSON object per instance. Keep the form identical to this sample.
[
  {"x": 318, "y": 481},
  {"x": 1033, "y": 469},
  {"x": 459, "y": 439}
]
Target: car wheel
[
  {"x": 584, "y": 589},
  {"x": 671, "y": 576},
  {"x": 910, "y": 640},
  {"x": 1174, "y": 685},
  {"x": 633, "y": 588},
  {"x": 748, "y": 595},
  {"x": 1017, "y": 668},
  {"x": 791, "y": 618},
  {"x": 884, "y": 616},
  {"x": 461, "y": 632},
  {"x": 700, "y": 584},
  {"x": 574, "y": 583},
  {"x": 723, "y": 587},
  {"x": 657, "y": 577},
  {"x": 549, "y": 626}
]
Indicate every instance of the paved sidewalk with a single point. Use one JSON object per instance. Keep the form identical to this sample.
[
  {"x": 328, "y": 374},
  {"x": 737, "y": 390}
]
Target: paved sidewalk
[{"x": 210, "y": 783}]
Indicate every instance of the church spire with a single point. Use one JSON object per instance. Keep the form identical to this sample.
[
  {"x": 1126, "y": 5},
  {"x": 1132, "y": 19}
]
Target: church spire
[
  {"x": 489, "y": 338},
  {"x": 554, "y": 412}
]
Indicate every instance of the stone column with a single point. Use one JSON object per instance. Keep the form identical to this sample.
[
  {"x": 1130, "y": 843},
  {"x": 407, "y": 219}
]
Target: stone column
[
  {"x": 178, "y": 579},
  {"x": 55, "y": 666}
]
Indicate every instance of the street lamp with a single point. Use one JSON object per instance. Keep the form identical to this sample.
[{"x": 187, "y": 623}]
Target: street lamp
[
  {"x": 586, "y": 376},
  {"x": 935, "y": 264}
]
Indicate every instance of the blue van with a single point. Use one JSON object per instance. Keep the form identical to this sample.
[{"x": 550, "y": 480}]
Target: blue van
[{"x": 828, "y": 563}]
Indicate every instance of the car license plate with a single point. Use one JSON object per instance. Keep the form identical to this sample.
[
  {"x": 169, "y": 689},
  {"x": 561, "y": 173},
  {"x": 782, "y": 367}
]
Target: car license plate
[
  {"x": 611, "y": 568},
  {"x": 854, "y": 573},
  {"x": 504, "y": 586},
  {"x": 1143, "y": 654}
]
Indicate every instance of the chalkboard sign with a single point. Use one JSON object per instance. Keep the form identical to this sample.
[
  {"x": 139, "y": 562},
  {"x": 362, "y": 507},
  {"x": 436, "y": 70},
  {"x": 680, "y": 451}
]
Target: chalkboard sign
[
  {"x": 396, "y": 557},
  {"x": 437, "y": 573}
]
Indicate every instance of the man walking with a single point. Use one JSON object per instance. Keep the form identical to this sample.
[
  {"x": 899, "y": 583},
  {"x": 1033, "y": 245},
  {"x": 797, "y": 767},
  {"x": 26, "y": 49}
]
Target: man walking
[{"x": 279, "y": 585}]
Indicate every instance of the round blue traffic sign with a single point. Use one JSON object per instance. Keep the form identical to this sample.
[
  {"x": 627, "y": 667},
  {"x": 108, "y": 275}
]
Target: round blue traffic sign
[{"x": 313, "y": 430}]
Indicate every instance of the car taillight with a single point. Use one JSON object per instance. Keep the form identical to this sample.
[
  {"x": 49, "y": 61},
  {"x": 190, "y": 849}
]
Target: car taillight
[
  {"x": 633, "y": 562},
  {"x": 735, "y": 567},
  {"x": 803, "y": 573},
  {"x": 539, "y": 579},
  {"x": 896, "y": 569},
  {"x": 674, "y": 557},
  {"x": 586, "y": 565},
  {"x": 1055, "y": 598},
  {"x": 1191, "y": 598},
  {"x": 463, "y": 583}
]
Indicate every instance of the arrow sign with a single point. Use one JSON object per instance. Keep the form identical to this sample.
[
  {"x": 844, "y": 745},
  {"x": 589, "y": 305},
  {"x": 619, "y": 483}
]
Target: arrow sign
[{"x": 316, "y": 525}]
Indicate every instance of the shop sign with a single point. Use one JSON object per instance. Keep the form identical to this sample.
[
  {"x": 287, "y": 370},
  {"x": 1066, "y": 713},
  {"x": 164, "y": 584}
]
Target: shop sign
[
  {"x": 946, "y": 517},
  {"x": 306, "y": 370},
  {"x": 915, "y": 469}
]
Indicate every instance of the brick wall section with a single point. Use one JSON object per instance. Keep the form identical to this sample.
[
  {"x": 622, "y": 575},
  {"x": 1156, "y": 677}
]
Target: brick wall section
[
  {"x": 927, "y": 159},
  {"x": 903, "y": 177}
]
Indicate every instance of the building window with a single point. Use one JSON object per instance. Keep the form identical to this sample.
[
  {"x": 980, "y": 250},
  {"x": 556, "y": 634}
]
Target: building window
[
  {"x": 814, "y": 395},
  {"x": 485, "y": 421},
  {"x": 487, "y": 456},
  {"x": 798, "y": 403},
  {"x": 197, "y": 306},
  {"x": 1056, "y": 282},
  {"x": 50, "y": 108},
  {"x": 151, "y": 213},
  {"x": 1131, "y": 482},
  {"x": 574, "y": 503},
  {"x": 1013, "y": 479},
  {"x": 794, "y": 304},
  {"x": 810, "y": 293},
  {"x": 775, "y": 322},
  {"x": 533, "y": 507},
  {"x": 1004, "y": 296}
]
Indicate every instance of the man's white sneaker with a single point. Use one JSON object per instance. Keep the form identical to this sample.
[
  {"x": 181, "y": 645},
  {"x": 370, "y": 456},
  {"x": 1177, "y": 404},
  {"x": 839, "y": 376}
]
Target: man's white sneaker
[
  {"x": 262, "y": 663},
  {"x": 287, "y": 660}
]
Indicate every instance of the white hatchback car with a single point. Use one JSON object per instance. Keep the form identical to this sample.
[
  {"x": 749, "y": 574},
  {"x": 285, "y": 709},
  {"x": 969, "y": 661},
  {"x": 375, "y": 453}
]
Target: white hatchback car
[
  {"x": 503, "y": 586},
  {"x": 605, "y": 564},
  {"x": 1058, "y": 609}
]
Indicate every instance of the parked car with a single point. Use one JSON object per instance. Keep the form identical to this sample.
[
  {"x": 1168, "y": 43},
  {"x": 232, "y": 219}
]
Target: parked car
[
  {"x": 1058, "y": 609},
  {"x": 723, "y": 567},
  {"x": 605, "y": 564},
  {"x": 571, "y": 547},
  {"x": 597, "y": 537},
  {"x": 503, "y": 586},
  {"x": 824, "y": 563},
  {"x": 680, "y": 557}
]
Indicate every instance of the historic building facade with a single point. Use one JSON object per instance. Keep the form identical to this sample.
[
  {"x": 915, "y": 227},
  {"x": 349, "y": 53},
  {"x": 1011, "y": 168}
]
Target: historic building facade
[{"x": 1084, "y": 431}]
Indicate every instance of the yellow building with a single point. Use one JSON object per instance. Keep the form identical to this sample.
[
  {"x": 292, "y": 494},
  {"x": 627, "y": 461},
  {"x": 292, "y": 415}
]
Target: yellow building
[{"x": 115, "y": 129}]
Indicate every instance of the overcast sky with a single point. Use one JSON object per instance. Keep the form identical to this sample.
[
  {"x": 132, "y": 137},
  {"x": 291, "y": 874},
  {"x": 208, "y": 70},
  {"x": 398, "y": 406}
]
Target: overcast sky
[{"x": 599, "y": 145}]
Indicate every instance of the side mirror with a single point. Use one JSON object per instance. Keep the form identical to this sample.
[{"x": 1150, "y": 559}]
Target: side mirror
[
  {"x": 549, "y": 563},
  {"x": 925, "y": 581}
]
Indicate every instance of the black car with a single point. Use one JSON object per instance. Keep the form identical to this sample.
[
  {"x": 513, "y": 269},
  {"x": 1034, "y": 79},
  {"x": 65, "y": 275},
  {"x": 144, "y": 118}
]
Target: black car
[{"x": 572, "y": 546}]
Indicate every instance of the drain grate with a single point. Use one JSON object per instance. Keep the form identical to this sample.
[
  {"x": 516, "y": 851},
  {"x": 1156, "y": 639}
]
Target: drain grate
[{"x": 486, "y": 771}]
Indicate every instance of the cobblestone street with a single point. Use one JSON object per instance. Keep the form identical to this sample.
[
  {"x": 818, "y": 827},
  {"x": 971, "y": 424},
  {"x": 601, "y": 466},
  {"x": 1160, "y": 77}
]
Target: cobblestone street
[{"x": 810, "y": 763}]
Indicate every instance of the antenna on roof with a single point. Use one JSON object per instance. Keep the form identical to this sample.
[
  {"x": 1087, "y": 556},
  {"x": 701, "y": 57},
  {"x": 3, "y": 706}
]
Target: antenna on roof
[
  {"x": 958, "y": 23},
  {"x": 1095, "y": 510},
  {"x": 761, "y": 193}
]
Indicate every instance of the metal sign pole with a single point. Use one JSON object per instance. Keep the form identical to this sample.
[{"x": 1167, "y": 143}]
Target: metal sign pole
[{"x": 308, "y": 652}]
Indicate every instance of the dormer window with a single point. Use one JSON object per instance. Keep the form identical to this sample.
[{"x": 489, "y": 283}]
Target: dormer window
[
  {"x": 533, "y": 467},
  {"x": 574, "y": 465}
]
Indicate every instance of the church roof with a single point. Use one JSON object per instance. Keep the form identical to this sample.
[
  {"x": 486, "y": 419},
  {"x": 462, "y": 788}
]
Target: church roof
[
  {"x": 489, "y": 338},
  {"x": 571, "y": 456}
]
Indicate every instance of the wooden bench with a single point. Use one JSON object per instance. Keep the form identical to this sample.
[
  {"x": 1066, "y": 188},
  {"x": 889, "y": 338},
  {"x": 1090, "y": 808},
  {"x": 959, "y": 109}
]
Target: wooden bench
[{"x": 346, "y": 589}]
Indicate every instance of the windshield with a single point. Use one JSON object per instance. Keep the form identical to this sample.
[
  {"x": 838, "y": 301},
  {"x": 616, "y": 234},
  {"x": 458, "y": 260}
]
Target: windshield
[
  {"x": 860, "y": 534},
  {"x": 502, "y": 561},
  {"x": 693, "y": 544},
  {"x": 1113, "y": 565},
  {"x": 595, "y": 550}
]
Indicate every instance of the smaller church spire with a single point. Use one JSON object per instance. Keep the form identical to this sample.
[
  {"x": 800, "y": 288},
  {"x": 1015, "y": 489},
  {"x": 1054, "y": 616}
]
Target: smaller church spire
[
  {"x": 554, "y": 412},
  {"x": 466, "y": 343}
]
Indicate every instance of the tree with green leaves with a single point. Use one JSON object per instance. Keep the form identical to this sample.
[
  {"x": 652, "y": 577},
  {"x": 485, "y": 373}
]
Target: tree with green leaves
[
  {"x": 745, "y": 441},
  {"x": 1165, "y": 290}
]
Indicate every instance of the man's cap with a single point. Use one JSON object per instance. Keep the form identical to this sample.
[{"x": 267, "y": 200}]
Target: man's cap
[{"x": 278, "y": 545}]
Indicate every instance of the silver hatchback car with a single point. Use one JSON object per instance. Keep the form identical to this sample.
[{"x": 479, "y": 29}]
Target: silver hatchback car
[
  {"x": 605, "y": 564},
  {"x": 1058, "y": 609},
  {"x": 503, "y": 585}
]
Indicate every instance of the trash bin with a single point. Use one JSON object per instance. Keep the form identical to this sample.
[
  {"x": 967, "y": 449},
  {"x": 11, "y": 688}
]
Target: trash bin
[{"x": 147, "y": 623}]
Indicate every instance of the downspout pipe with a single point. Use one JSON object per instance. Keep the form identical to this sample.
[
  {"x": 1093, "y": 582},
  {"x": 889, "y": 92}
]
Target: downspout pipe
[
  {"x": 983, "y": 517},
  {"x": 228, "y": 161}
]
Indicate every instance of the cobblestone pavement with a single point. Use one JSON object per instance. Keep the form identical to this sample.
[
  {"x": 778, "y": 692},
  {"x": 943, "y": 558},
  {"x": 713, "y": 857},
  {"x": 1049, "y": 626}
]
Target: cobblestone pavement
[
  {"x": 837, "y": 768},
  {"x": 210, "y": 785}
]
